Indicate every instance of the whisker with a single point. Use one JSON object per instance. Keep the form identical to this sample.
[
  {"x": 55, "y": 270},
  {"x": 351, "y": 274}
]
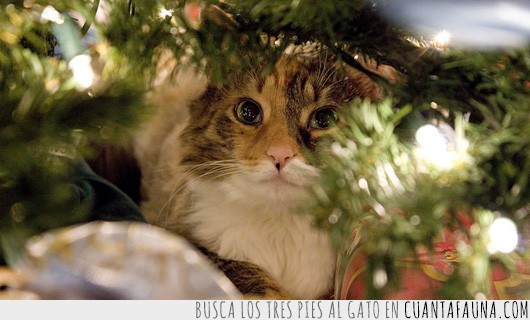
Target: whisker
[
  {"x": 203, "y": 182},
  {"x": 330, "y": 73},
  {"x": 186, "y": 179},
  {"x": 323, "y": 71}
]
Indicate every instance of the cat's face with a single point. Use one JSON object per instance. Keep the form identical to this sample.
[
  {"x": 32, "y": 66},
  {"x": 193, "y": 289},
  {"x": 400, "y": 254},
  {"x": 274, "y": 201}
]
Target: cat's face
[{"x": 254, "y": 134}]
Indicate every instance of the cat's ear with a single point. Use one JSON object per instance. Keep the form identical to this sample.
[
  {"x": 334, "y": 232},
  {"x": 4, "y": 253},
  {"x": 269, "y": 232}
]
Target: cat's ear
[
  {"x": 371, "y": 70},
  {"x": 384, "y": 71}
]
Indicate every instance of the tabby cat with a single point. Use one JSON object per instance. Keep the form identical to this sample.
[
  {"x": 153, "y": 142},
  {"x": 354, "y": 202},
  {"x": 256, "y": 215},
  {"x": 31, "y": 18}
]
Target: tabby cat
[{"x": 226, "y": 166}]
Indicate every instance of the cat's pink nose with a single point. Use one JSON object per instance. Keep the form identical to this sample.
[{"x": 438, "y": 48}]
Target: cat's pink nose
[{"x": 281, "y": 153}]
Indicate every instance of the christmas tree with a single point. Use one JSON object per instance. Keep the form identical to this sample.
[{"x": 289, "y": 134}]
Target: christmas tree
[{"x": 447, "y": 150}]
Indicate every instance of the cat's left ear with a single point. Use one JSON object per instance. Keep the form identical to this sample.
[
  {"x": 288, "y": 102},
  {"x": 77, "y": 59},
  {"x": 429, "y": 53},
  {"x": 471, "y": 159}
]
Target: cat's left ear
[{"x": 384, "y": 71}]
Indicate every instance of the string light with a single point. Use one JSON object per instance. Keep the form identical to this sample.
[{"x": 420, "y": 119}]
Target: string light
[
  {"x": 380, "y": 278},
  {"x": 503, "y": 236},
  {"x": 51, "y": 14},
  {"x": 428, "y": 136},
  {"x": 164, "y": 13},
  {"x": 435, "y": 149},
  {"x": 441, "y": 39},
  {"x": 82, "y": 70},
  {"x": 433, "y": 146}
]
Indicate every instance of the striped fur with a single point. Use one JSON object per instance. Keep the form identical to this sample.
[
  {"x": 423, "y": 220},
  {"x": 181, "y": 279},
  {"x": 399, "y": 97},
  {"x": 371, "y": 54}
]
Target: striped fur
[{"x": 208, "y": 177}]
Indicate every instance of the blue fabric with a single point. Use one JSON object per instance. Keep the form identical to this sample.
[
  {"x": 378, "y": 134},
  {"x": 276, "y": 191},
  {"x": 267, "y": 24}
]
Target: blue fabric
[{"x": 104, "y": 200}]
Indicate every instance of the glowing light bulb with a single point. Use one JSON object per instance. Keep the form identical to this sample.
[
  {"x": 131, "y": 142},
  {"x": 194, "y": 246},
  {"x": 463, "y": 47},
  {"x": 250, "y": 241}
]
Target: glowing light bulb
[
  {"x": 380, "y": 278},
  {"x": 441, "y": 39},
  {"x": 51, "y": 14},
  {"x": 433, "y": 146},
  {"x": 503, "y": 236},
  {"x": 164, "y": 13},
  {"x": 429, "y": 137},
  {"x": 441, "y": 147},
  {"x": 82, "y": 70}
]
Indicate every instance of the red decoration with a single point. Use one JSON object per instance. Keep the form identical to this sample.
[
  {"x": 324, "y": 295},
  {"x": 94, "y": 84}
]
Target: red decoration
[{"x": 422, "y": 278}]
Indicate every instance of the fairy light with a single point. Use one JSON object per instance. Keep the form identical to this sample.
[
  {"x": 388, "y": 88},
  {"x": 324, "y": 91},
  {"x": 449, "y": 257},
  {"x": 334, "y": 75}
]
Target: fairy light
[
  {"x": 69, "y": 39},
  {"x": 51, "y": 14},
  {"x": 82, "y": 70},
  {"x": 164, "y": 13},
  {"x": 380, "y": 278},
  {"x": 434, "y": 149},
  {"x": 442, "y": 39},
  {"x": 503, "y": 236}
]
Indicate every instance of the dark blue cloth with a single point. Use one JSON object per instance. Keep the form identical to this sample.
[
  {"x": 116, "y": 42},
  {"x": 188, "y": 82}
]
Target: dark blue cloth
[{"x": 104, "y": 200}]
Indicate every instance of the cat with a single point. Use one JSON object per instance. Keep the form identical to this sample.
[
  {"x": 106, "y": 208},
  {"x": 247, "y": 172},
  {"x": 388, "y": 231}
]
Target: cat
[{"x": 227, "y": 167}]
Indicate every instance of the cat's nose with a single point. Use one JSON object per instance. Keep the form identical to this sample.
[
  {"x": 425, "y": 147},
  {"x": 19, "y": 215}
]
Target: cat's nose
[{"x": 281, "y": 154}]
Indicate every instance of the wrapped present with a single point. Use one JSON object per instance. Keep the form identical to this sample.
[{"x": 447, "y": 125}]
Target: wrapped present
[
  {"x": 422, "y": 276},
  {"x": 119, "y": 260}
]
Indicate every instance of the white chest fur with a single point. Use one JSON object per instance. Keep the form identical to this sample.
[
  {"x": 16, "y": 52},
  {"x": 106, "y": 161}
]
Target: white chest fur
[
  {"x": 269, "y": 234},
  {"x": 243, "y": 218}
]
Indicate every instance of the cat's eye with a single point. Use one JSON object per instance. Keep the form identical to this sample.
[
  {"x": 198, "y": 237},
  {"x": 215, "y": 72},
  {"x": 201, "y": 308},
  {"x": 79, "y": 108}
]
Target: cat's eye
[
  {"x": 248, "y": 112},
  {"x": 323, "y": 118}
]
